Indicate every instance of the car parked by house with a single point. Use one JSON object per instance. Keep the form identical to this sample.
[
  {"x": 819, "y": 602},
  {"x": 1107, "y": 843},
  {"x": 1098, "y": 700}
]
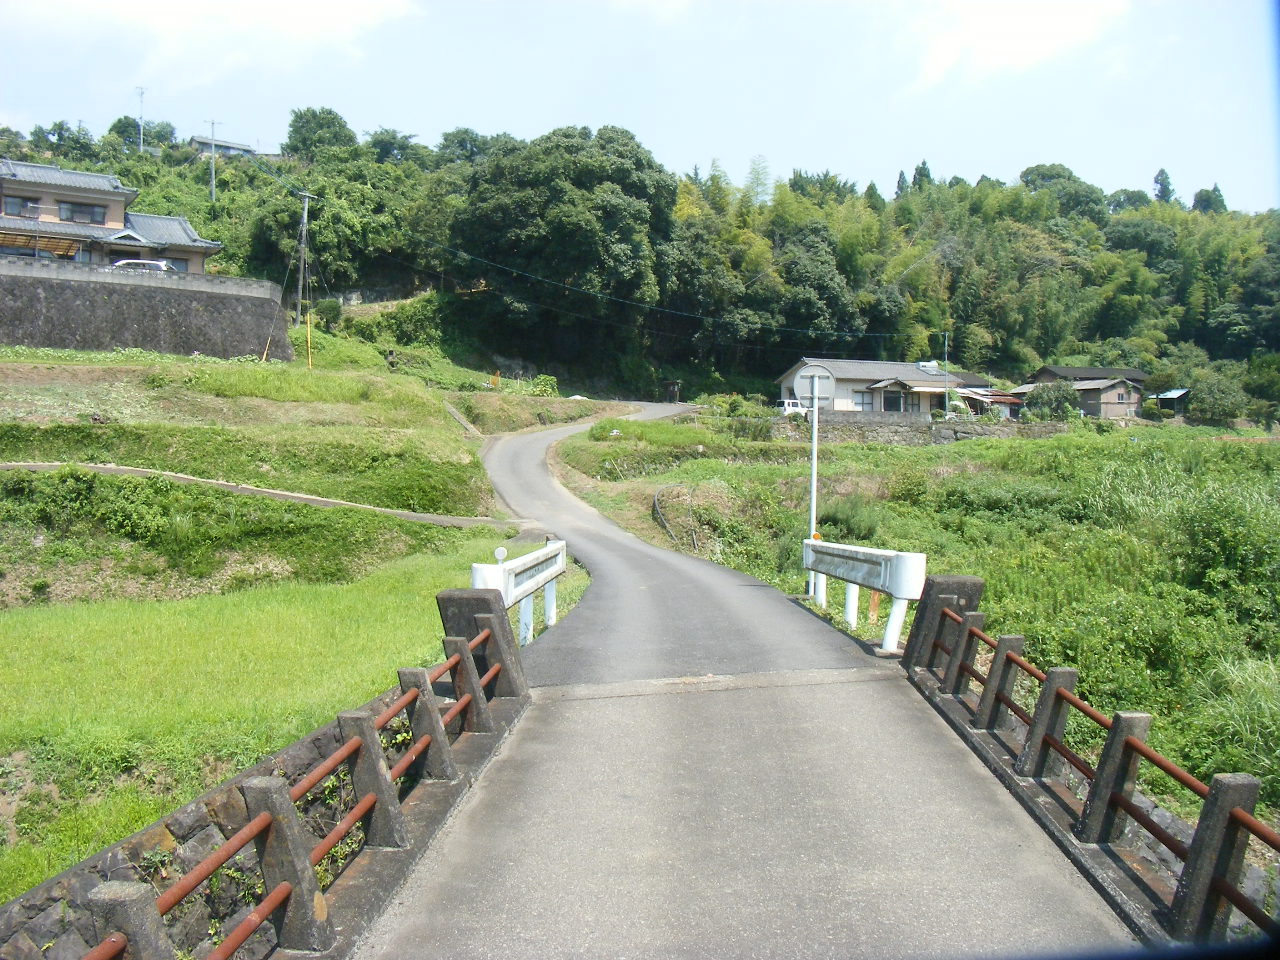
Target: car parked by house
[{"x": 163, "y": 265}]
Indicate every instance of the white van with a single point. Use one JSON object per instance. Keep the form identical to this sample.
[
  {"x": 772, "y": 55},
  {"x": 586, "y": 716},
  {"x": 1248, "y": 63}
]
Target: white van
[
  {"x": 145, "y": 265},
  {"x": 787, "y": 407}
]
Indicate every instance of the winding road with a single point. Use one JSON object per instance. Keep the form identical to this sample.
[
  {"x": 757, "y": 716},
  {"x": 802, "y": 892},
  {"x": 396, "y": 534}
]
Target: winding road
[{"x": 708, "y": 770}]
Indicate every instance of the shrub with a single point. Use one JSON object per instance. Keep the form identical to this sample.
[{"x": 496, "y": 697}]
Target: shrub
[
  {"x": 328, "y": 313},
  {"x": 1053, "y": 401}
]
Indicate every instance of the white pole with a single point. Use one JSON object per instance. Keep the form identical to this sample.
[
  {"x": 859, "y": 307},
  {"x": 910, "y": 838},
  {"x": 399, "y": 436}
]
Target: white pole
[
  {"x": 893, "y": 626},
  {"x": 851, "y": 603},
  {"x": 549, "y": 611},
  {"x": 526, "y": 619},
  {"x": 813, "y": 469}
]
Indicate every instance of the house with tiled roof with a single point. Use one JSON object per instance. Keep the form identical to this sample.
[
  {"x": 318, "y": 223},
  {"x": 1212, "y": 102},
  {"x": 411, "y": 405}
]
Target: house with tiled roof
[
  {"x": 57, "y": 214},
  {"x": 881, "y": 388},
  {"x": 1104, "y": 392}
]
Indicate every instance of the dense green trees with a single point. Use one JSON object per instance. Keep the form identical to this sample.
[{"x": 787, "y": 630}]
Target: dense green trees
[{"x": 577, "y": 248}]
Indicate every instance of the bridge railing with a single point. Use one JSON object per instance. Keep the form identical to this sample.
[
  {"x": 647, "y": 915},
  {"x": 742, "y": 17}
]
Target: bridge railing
[
  {"x": 519, "y": 579},
  {"x": 948, "y": 649},
  {"x": 291, "y": 865}
]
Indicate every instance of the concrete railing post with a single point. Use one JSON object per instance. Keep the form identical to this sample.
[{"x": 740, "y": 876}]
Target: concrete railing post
[
  {"x": 129, "y": 908},
  {"x": 369, "y": 774},
  {"x": 284, "y": 851},
  {"x": 944, "y": 638},
  {"x": 550, "y": 613},
  {"x": 424, "y": 719},
  {"x": 1217, "y": 850},
  {"x": 1101, "y": 821},
  {"x": 967, "y": 590},
  {"x": 964, "y": 649},
  {"x": 476, "y": 717},
  {"x": 1050, "y": 719},
  {"x": 526, "y": 620},
  {"x": 501, "y": 648},
  {"x": 465, "y": 613},
  {"x": 991, "y": 712}
]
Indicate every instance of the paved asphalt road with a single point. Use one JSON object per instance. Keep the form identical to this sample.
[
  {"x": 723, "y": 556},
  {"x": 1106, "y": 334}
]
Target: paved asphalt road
[{"x": 707, "y": 770}]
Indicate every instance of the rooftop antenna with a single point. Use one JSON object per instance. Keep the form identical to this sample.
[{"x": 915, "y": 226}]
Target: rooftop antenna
[
  {"x": 213, "y": 152},
  {"x": 141, "y": 91}
]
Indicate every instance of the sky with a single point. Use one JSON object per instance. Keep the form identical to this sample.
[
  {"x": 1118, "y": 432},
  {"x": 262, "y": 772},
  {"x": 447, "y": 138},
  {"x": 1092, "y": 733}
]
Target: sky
[{"x": 1113, "y": 89}]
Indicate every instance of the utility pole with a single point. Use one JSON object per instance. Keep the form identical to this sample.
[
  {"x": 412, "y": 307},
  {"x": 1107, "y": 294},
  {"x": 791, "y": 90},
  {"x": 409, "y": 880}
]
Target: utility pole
[
  {"x": 302, "y": 265},
  {"x": 213, "y": 152},
  {"x": 141, "y": 91}
]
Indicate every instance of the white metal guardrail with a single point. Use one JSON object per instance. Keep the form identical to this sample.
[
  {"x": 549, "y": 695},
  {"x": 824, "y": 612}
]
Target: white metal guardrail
[
  {"x": 519, "y": 579},
  {"x": 901, "y": 575}
]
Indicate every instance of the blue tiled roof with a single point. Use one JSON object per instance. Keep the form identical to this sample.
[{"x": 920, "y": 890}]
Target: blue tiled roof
[{"x": 153, "y": 231}]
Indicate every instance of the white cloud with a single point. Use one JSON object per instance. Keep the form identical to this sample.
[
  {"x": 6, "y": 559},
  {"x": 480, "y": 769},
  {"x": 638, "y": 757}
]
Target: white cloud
[{"x": 974, "y": 39}]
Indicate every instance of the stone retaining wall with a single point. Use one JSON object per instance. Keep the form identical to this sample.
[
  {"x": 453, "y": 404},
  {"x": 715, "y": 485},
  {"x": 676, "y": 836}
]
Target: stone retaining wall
[
  {"x": 85, "y": 307},
  {"x": 911, "y": 434}
]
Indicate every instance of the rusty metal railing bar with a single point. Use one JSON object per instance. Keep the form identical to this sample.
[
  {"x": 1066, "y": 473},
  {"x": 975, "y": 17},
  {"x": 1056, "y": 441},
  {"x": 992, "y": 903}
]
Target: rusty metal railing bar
[
  {"x": 1256, "y": 827},
  {"x": 108, "y": 948},
  {"x": 334, "y": 760},
  {"x": 205, "y": 868},
  {"x": 1026, "y": 666},
  {"x": 1014, "y": 708},
  {"x": 1175, "y": 846},
  {"x": 974, "y": 672},
  {"x": 410, "y": 755},
  {"x": 490, "y": 674},
  {"x": 981, "y": 635},
  {"x": 444, "y": 668},
  {"x": 1163, "y": 763},
  {"x": 335, "y": 836},
  {"x": 1100, "y": 719},
  {"x": 463, "y": 702},
  {"x": 952, "y": 615},
  {"x": 1237, "y": 899},
  {"x": 388, "y": 714},
  {"x": 481, "y": 637},
  {"x": 246, "y": 927},
  {"x": 1070, "y": 756}
]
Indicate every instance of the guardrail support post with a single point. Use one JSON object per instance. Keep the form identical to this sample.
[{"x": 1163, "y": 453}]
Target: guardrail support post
[
  {"x": 1004, "y": 673},
  {"x": 549, "y": 611},
  {"x": 964, "y": 648},
  {"x": 285, "y": 855},
  {"x": 1050, "y": 719},
  {"x": 437, "y": 762},
  {"x": 1101, "y": 821},
  {"x": 369, "y": 774},
  {"x": 820, "y": 590},
  {"x": 851, "y": 604},
  {"x": 1217, "y": 850},
  {"x": 502, "y": 649},
  {"x": 967, "y": 590},
  {"x": 120, "y": 906},
  {"x": 476, "y": 717},
  {"x": 526, "y": 620}
]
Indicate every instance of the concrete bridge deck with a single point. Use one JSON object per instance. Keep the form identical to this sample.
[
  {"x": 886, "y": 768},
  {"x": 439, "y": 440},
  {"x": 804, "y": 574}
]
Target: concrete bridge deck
[{"x": 708, "y": 770}]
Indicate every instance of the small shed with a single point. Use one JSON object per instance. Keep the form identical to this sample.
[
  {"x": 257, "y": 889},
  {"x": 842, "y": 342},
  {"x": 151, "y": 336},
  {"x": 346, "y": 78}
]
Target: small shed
[{"x": 1175, "y": 400}]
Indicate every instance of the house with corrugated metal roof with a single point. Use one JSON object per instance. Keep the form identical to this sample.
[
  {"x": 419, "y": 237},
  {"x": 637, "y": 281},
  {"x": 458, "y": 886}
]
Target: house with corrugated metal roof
[
  {"x": 880, "y": 389},
  {"x": 57, "y": 214}
]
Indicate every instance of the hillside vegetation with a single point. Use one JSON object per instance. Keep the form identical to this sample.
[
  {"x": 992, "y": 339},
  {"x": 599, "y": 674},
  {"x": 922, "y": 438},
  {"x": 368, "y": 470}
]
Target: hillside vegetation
[
  {"x": 157, "y": 636},
  {"x": 578, "y": 252},
  {"x": 1144, "y": 557}
]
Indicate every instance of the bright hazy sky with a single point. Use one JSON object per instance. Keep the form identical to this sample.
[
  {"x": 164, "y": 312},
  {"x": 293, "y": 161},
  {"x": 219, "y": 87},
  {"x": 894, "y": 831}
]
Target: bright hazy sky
[{"x": 1113, "y": 89}]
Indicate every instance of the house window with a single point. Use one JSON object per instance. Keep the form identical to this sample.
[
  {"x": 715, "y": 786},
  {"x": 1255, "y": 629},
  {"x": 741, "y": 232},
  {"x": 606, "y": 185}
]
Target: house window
[
  {"x": 863, "y": 402},
  {"x": 893, "y": 401},
  {"x": 82, "y": 212},
  {"x": 1122, "y": 396},
  {"x": 21, "y": 207},
  {"x": 179, "y": 265}
]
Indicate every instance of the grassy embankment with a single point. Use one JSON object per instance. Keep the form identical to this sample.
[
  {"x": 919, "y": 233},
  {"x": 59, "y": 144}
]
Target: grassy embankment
[
  {"x": 263, "y": 618},
  {"x": 1146, "y": 558}
]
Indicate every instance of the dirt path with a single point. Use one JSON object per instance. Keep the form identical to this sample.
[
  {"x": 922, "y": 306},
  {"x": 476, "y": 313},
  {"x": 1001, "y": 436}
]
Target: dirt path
[{"x": 440, "y": 520}]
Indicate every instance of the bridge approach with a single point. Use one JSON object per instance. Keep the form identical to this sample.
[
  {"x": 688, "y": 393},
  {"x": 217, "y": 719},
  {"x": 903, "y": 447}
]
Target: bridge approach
[{"x": 707, "y": 769}]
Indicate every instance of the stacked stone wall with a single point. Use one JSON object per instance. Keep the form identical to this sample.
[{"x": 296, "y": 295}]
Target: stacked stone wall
[{"x": 82, "y": 307}]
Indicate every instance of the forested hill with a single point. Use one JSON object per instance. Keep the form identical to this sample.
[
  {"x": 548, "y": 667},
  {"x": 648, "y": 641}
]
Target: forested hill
[{"x": 578, "y": 249}]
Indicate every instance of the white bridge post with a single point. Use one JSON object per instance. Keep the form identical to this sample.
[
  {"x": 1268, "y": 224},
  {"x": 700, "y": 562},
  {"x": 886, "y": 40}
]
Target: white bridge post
[{"x": 899, "y": 574}]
